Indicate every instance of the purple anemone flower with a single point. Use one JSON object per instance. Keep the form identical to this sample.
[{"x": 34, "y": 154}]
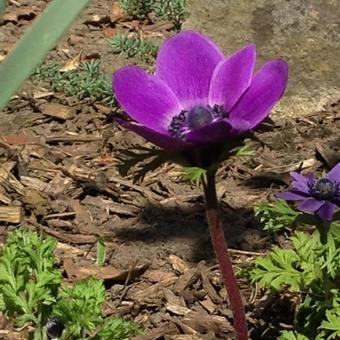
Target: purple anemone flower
[
  {"x": 197, "y": 96},
  {"x": 320, "y": 196}
]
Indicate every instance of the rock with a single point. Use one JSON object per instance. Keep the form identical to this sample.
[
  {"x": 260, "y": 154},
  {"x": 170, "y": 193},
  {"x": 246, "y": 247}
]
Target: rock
[{"x": 305, "y": 33}]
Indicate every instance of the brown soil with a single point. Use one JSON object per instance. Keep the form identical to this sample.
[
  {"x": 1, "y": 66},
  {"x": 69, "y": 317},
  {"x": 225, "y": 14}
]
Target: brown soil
[{"x": 63, "y": 175}]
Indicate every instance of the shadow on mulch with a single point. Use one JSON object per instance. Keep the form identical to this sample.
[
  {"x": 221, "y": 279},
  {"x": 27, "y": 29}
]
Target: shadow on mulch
[
  {"x": 278, "y": 316},
  {"x": 159, "y": 225}
]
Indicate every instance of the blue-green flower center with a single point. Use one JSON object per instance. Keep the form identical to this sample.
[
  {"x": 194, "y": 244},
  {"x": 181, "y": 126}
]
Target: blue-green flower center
[
  {"x": 196, "y": 118},
  {"x": 324, "y": 189},
  {"x": 199, "y": 117}
]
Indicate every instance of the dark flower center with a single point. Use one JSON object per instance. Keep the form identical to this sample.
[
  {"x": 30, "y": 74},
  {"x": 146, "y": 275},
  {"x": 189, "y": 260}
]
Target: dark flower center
[
  {"x": 196, "y": 118},
  {"x": 54, "y": 328},
  {"x": 324, "y": 189}
]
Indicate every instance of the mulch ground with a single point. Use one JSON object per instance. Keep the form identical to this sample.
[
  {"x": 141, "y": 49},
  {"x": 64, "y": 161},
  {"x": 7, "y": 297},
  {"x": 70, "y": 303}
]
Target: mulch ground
[{"x": 58, "y": 175}]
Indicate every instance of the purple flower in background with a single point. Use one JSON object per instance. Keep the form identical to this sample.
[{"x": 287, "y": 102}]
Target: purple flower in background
[
  {"x": 320, "y": 196},
  {"x": 197, "y": 96}
]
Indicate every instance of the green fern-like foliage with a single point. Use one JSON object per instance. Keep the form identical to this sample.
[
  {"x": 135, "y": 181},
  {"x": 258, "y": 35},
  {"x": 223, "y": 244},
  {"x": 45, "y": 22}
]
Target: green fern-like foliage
[
  {"x": 29, "y": 279},
  {"x": 79, "y": 306},
  {"x": 118, "y": 329},
  {"x": 291, "y": 335},
  {"x": 296, "y": 268},
  {"x": 277, "y": 270},
  {"x": 333, "y": 250},
  {"x": 331, "y": 325},
  {"x": 311, "y": 268},
  {"x": 276, "y": 215}
]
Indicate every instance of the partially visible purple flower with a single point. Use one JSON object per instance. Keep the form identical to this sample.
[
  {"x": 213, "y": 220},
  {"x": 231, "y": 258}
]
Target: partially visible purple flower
[
  {"x": 197, "y": 96},
  {"x": 320, "y": 196}
]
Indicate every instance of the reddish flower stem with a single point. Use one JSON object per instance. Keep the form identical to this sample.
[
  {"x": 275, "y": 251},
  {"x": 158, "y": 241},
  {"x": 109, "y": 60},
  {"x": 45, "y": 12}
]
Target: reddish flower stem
[{"x": 221, "y": 251}]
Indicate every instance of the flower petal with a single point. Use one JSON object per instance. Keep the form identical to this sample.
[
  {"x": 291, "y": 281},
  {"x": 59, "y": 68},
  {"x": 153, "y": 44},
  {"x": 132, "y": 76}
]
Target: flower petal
[
  {"x": 232, "y": 77},
  {"x": 186, "y": 63},
  {"x": 334, "y": 174},
  {"x": 311, "y": 179},
  {"x": 265, "y": 90},
  {"x": 300, "y": 182},
  {"x": 310, "y": 205},
  {"x": 240, "y": 126},
  {"x": 326, "y": 212},
  {"x": 210, "y": 134},
  {"x": 145, "y": 98},
  {"x": 162, "y": 140},
  {"x": 291, "y": 196}
]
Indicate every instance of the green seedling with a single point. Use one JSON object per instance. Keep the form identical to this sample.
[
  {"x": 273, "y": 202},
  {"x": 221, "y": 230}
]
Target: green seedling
[{"x": 101, "y": 252}]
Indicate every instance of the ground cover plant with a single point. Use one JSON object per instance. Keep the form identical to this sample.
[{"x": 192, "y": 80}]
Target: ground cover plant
[
  {"x": 172, "y": 10},
  {"x": 87, "y": 82},
  {"x": 127, "y": 220},
  {"x": 134, "y": 46},
  {"x": 310, "y": 267},
  {"x": 31, "y": 293}
]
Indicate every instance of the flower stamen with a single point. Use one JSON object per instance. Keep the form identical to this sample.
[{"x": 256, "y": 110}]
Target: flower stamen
[{"x": 324, "y": 188}]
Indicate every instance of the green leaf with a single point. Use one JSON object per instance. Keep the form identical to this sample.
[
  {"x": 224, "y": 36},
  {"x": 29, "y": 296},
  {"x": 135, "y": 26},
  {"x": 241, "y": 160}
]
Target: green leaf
[
  {"x": 195, "y": 174},
  {"x": 309, "y": 251},
  {"x": 332, "y": 251},
  {"x": 299, "y": 268},
  {"x": 3, "y": 4},
  {"x": 277, "y": 270},
  {"x": 332, "y": 323},
  {"x": 28, "y": 277},
  {"x": 2, "y": 303},
  {"x": 36, "y": 43},
  {"x": 276, "y": 215},
  {"x": 245, "y": 150},
  {"x": 291, "y": 335},
  {"x": 118, "y": 329},
  {"x": 79, "y": 306},
  {"x": 101, "y": 252}
]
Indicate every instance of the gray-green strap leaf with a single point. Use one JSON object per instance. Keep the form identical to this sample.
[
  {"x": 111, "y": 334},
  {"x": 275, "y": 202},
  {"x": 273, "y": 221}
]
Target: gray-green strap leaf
[{"x": 36, "y": 43}]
